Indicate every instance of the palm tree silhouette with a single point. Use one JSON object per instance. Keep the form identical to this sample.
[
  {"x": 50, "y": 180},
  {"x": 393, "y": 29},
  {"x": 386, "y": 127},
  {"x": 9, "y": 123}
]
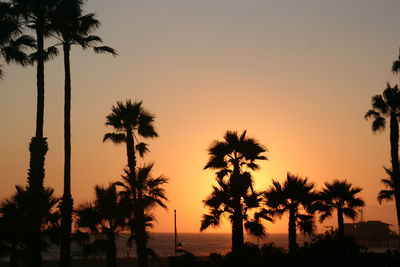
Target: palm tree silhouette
[
  {"x": 12, "y": 42},
  {"x": 220, "y": 203},
  {"x": 340, "y": 196},
  {"x": 385, "y": 106},
  {"x": 131, "y": 121},
  {"x": 106, "y": 216},
  {"x": 295, "y": 196},
  {"x": 148, "y": 193},
  {"x": 72, "y": 28},
  {"x": 14, "y": 221},
  {"x": 35, "y": 15},
  {"x": 233, "y": 159}
]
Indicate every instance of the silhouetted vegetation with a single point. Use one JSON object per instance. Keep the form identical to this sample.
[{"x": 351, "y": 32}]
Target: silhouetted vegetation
[
  {"x": 296, "y": 196},
  {"x": 131, "y": 121},
  {"x": 71, "y": 27},
  {"x": 340, "y": 196},
  {"x": 235, "y": 194},
  {"x": 387, "y": 106},
  {"x": 14, "y": 223},
  {"x": 105, "y": 217}
]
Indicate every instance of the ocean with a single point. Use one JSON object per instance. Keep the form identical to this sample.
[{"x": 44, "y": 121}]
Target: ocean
[{"x": 200, "y": 244}]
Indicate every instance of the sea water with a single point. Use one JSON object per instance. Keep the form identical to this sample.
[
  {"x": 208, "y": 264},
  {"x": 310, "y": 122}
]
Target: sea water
[{"x": 200, "y": 244}]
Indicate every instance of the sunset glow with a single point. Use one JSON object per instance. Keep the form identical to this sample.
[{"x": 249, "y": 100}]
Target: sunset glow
[{"x": 297, "y": 75}]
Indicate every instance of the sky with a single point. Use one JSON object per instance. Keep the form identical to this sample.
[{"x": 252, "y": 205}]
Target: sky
[{"x": 297, "y": 75}]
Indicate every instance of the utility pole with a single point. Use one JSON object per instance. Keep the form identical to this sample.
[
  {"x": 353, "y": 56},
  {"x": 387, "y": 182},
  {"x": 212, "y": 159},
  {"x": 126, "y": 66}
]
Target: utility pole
[{"x": 175, "y": 232}]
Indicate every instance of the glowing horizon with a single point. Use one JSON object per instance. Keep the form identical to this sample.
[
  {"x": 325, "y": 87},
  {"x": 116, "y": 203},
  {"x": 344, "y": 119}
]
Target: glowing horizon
[{"x": 298, "y": 77}]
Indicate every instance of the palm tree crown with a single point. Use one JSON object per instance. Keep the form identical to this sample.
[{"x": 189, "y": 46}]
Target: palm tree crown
[
  {"x": 130, "y": 120},
  {"x": 12, "y": 42},
  {"x": 297, "y": 197},
  {"x": 340, "y": 196},
  {"x": 384, "y": 106}
]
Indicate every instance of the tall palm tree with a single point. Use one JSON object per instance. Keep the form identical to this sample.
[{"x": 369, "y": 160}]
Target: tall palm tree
[
  {"x": 295, "y": 196},
  {"x": 35, "y": 14},
  {"x": 233, "y": 159},
  {"x": 106, "y": 215},
  {"x": 340, "y": 196},
  {"x": 12, "y": 42},
  {"x": 149, "y": 193},
  {"x": 131, "y": 121},
  {"x": 387, "y": 106},
  {"x": 72, "y": 28}
]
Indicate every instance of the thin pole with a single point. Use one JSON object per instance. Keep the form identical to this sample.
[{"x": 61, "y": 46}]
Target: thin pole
[{"x": 175, "y": 231}]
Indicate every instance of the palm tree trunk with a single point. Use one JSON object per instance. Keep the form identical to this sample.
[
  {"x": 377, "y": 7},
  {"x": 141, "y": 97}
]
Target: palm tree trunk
[
  {"x": 130, "y": 150},
  {"x": 292, "y": 231},
  {"x": 111, "y": 252},
  {"x": 13, "y": 254},
  {"x": 40, "y": 79},
  {"x": 141, "y": 238},
  {"x": 38, "y": 149},
  {"x": 237, "y": 228},
  {"x": 67, "y": 203},
  {"x": 340, "y": 222},
  {"x": 394, "y": 153}
]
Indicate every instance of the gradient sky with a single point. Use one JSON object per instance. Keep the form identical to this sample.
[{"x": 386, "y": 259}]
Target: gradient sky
[{"x": 297, "y": 75}]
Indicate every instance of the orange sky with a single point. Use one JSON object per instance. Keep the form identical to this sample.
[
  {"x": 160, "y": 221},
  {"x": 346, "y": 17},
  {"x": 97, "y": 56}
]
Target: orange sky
[{"x": 297, "y": 76}]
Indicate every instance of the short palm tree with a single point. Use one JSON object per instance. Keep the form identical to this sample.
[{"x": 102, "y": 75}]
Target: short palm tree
[
  {"x": 72, "y": 28},
  {"x": 387, "y": 106},
  {"x": 340, "y": 196},
  {"x": 297, "y": 197},
  {"x": 233, "y": 159},
  {"x": 14, "y": 221},
  {"x": 105, "y": 216},
  {"x": 149, "y": 193},
  {"x": 220, "y": 204}
]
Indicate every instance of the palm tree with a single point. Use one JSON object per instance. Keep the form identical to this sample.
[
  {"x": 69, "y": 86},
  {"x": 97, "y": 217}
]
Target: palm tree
[
  {"x": 34, "y": 15},
  {"x": 233, "y": 159},
  {"x": 15, "y": 222},
  {"x": 131, "y": 121},
  {"x": 12, "y": 42},
  {"x": 12, "y": 221},
  {"x": 72, "y": 28},
  {"x": 386, "y": 106},
  {"x": 106, "y": 215},
  {"x": 220, "y": 203},
  {"x": 148, "y": 193},
  {"x": 340, "y": 196},
  {"x": 295, "y": 196}
]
